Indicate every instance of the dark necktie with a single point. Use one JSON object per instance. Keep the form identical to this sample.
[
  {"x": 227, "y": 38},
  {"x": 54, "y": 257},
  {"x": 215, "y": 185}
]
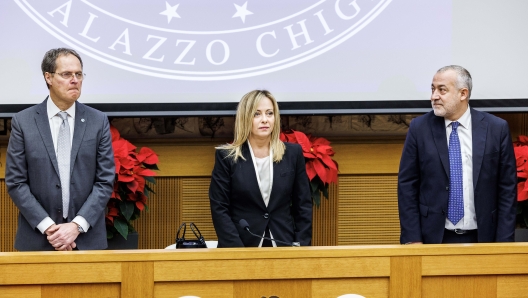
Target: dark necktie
[{"x": 455, "y": 206}]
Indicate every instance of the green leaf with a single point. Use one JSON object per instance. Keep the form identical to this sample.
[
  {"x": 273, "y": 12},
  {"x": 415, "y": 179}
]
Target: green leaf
[
  {"x": 148, "y": 189},
  {"x": 127, "y": 209},
  {"x": 121, "y": 227},
  {"x": 314, "y": 185},
  {"x": 150, "y": 179},
  {"x": 316, "y": 197},
  {"x": 325, "y": 191}
]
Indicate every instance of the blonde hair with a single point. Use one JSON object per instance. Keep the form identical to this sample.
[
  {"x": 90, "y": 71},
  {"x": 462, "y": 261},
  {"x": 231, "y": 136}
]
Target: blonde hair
[{"x": 247, "y": 107}]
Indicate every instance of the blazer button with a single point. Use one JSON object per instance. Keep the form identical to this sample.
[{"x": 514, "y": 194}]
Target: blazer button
[
  {"x": 266, "y": 215},
  {"x": 58, "y": 185},
  {"x": 447, "y": 188}
]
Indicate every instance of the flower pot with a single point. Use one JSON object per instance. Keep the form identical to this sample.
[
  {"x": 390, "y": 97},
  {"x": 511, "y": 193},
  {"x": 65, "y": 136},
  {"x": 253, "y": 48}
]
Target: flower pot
[
  {"x": 521, "y": 235},
  {"x": 118, "y": 242}
]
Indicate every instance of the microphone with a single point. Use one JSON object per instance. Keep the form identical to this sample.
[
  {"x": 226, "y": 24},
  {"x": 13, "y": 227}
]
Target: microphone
[{"x": 244, "y": 224}]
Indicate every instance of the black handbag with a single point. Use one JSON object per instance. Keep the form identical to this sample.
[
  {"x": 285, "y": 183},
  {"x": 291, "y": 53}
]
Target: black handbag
[{"x": 181, "y": 242}]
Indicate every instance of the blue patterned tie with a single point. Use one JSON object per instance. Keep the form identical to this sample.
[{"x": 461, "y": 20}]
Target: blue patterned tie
[{"x": 455, "y": 206}]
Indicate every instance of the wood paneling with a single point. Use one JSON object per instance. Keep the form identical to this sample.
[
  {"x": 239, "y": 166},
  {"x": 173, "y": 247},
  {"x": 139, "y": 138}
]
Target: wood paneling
[
  {"x": 280, "y": 288},
  {"x": 485, "y": 264},
  {"x": 459, "y": 286},
  {"x": 3, "y": 149},
  {"x": 180, "y": 160},
  {"x": 512, "y": 286},
  {"x": 374, "y": 158},
  {"x": 137, "y": 279},
  {"x": 55, "y": 273},
  {"x": 368, "y": 210},
  {"x": 106, "y": 290},
  {"x": 370, "y": 271},
  {"x": 196, "y": 207},
  {"x": 325, "y": 219},
  {"x": 273, "y": 268},
  {"x": 375, "y": 287},
  {"x": 8, "y": 219},
  {"x": 157, "y": 227},
  {"x": 213, "y": 289},
  {"x": 26, "y": 291},
  {"x": 408, "y": 280}
]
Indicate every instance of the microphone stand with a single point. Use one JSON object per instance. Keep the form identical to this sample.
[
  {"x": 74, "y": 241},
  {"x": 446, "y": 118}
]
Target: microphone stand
[{"x": 294, "y": 244}]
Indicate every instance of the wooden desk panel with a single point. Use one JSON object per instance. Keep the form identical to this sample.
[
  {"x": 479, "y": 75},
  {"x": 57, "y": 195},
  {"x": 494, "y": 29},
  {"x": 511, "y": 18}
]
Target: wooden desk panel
[
  {"x": 484, "y": 270},
  {"x": 273, "y": 268}
]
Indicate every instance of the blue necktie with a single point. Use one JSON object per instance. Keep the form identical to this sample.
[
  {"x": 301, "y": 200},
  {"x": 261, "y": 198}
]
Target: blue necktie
[{"x": 455, "y": 206}]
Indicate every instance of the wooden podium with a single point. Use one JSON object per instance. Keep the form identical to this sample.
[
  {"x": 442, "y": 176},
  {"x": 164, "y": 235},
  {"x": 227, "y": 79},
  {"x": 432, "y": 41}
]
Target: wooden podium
[{"x": 471, "y": 270}]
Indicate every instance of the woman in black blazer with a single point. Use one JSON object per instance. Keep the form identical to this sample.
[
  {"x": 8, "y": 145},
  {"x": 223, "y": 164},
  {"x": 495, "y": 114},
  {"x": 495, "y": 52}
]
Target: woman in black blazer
[{"x": 260, "y": 179}]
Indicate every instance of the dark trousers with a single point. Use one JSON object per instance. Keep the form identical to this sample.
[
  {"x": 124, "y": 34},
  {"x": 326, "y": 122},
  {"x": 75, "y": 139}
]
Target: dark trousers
[{"x": 452, "y": 237}]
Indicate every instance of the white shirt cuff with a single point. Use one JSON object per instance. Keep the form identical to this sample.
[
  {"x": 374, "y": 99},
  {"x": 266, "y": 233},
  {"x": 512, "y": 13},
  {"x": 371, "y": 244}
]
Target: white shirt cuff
[
  {"x": 45, "y": 224},
  {"x": 82, "y": 222}
]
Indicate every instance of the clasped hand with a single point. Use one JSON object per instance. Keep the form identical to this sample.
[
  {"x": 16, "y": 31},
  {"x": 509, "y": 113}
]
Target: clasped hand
[{"x": 62, "y": 236}]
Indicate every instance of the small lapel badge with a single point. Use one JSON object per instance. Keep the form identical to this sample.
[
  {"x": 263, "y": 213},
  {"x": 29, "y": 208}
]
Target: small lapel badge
[{"x": 82, "y": 120}]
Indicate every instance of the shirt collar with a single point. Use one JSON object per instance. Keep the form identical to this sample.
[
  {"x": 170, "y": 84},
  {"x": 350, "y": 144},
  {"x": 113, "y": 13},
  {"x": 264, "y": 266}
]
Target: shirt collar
[
  {"x": 464, "y": 120},
  {"x": 53, "y": 110}
]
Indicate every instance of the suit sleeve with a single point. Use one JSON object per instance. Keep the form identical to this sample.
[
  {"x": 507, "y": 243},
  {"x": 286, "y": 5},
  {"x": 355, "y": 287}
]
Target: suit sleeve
[
  {"x": 409, "y": 190},
  {"x": 507, "y": 189},
  {"x": 301, "y": 201},
  {"x": 219, "y": 197},
  {"x": 16, "y": 177},
  {"x": 94, "y": 206}
]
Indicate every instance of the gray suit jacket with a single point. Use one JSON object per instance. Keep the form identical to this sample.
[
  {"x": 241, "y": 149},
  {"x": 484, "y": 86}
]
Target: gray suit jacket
[{"x": 32, "y": 175}]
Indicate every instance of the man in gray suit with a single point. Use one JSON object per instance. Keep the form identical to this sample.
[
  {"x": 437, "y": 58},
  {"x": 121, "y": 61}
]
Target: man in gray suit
[{"x": 60, "y": 164}]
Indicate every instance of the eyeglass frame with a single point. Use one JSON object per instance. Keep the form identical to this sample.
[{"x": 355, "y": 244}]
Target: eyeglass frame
[{"x": 72, "y": 74}]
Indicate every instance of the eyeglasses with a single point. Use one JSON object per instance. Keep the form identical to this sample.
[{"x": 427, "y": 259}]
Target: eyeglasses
[{"x": 69, "y": 75}]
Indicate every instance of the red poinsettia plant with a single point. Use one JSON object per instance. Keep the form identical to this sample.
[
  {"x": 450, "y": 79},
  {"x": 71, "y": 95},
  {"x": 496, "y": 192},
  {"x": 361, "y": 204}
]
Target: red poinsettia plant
[
  {"x": 131, "y": 191},
  {"x": 320, "y": 167},
  {"x": 521, "y": 156}
]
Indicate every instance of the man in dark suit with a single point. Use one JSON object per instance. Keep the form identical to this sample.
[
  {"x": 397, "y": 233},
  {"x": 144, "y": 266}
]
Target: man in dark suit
[
  {"x": 60, "y": 164},
  {"x": 457, "y": 179}
]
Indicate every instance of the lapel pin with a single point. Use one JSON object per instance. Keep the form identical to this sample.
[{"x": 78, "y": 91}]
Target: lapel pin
[{"x": 82, "y": 120}]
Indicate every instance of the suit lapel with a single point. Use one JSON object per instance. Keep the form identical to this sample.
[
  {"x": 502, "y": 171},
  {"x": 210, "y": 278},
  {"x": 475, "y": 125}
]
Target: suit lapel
[
  {"x": 78, "y": 133},
  {"x": 252, "y": 176},
  {"x": 43, "y": 126},
  {"x": 439, "y": 134},
  {"x": 479, "y": 133}
]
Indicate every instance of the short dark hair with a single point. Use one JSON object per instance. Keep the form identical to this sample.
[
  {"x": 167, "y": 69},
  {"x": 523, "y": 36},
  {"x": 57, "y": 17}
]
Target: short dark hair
[{"x": 49, "y": 62}]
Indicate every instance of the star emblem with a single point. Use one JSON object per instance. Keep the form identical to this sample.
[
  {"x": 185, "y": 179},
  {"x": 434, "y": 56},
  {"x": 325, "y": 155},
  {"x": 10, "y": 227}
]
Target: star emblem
[
  {"x": 242, "y": 12},
  {"x": 170, "y": 11}
]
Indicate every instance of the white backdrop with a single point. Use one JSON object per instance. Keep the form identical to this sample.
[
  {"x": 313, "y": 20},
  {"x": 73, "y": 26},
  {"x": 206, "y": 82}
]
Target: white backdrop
[{"x": 206, "y": 51}]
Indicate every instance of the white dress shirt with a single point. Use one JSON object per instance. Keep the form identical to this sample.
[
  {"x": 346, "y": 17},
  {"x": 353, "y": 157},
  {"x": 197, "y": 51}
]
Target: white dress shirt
[
  {"x": 469, "y": 221},
  {"x": 55, "y": 122},
  {"x": 264, "y": 172}
]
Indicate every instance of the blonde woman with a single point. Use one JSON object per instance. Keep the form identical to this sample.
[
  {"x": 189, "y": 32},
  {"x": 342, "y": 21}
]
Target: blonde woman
[{"x": 260, "y": 179}]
